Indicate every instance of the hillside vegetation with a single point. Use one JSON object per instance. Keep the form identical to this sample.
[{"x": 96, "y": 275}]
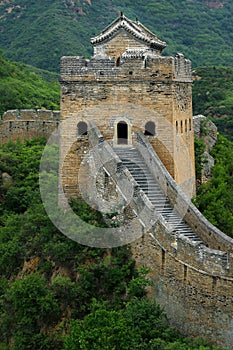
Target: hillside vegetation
[
  {"x": 23, "y": 86},
  {"x": 213, "y": 96},
  {"x": 57, "y": 294},
  {"x": 39, "y": 35},
  {"x": 214, "y": 198}
]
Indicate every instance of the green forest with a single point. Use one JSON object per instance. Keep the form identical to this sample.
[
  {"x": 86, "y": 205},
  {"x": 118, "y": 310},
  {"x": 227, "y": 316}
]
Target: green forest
[
  {"x": 24, "y": 86},
  {"x": 214, "y": 198},
  {"x": 57, "y": 294},
  {"x": 39, "y": 35},
  {"x": 213, "y": 96}
]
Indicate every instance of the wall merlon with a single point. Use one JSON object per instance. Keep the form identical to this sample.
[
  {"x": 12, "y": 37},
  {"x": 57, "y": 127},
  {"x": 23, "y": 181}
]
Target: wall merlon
[
  {"x": 183, "y": 67},
  {"x": 11, "y": 115}
]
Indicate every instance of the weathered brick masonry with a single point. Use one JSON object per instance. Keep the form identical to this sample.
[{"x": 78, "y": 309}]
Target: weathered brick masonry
[
  {"x": 126, "y": 74},
  {"x": 125, "y": 87},
  {"x": 27, "y": 124},
  {"x": 129, "y": 86}
]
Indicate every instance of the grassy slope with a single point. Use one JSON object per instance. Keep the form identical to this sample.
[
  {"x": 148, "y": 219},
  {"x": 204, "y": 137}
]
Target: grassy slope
[
  {"x": 39, "y": 35},
  {"x": 213, "y": 96},
  {"x": 23, "y": 86}
]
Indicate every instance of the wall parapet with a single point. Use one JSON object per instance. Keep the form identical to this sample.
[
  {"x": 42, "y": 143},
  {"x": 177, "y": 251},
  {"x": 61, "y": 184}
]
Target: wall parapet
[
  {"x": 208, "y": 260},
  {"x": 130, "y": 66},
  {"x": 28, "y": 123},
  {"x": 211, "y": 236}
]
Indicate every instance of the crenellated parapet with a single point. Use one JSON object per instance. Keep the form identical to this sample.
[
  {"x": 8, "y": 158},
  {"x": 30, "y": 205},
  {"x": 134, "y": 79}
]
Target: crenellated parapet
[
  {"x": 132, "y": 64},
  {"x": 183, "y": 67},
  {"x": 28, "y": 123}
]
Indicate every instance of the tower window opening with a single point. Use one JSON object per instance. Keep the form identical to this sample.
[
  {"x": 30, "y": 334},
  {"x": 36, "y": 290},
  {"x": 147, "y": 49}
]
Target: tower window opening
[
  {"x": 82, "y": 129},
  {"x": 181, "y": 126},
  {"x": 122, "y": 133},
  {"x": 177, "y": 127},
  {"x": 27, "y": 125},
  {"x": 163, "y": 258},
  {"x": 150, "y": 129},
  {"x": 190, "y": 124},
  {"x": 185, "y": 272},
  {"x": 186, "y": 125},
  {"x": 118, "y": 62}
]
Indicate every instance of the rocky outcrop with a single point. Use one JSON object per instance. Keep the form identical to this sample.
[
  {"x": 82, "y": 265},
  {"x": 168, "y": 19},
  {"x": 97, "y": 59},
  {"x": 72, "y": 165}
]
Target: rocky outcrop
[{"x": 205, "y": 130}]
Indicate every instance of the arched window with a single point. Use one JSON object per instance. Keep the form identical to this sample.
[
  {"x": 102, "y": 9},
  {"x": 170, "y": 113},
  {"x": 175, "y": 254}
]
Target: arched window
[
  {"x": 190, "y": 124},
  {"x": 186, "y": 125},
  {"x": 181, "y": 126},
  {"x": 177, "y": 127},
  {"x": 150, "y": 129},
  {"x": 122, "y": 133},
  {"x": 82, "y": 129}
]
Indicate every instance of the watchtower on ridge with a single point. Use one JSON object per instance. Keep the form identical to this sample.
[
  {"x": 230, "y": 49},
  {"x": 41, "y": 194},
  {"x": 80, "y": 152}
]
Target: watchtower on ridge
[{"x": 128, "y": 85}]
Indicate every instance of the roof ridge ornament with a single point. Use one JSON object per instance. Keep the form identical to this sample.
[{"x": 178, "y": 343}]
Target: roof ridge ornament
[{"x": 135, "y": 28}]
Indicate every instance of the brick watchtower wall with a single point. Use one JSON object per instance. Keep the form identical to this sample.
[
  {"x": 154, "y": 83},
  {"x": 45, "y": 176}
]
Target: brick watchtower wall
[{"x": 111, "y": 89}]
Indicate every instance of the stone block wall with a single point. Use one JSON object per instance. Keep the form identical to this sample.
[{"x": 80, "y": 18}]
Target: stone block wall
[
  {"x": 160, "y": 85},
  {"x": 198, "y": 303},
  {"x": 27, "y": 124},
  {"x": 212, "y": 237},
  {"x": 191, "y": 281}
]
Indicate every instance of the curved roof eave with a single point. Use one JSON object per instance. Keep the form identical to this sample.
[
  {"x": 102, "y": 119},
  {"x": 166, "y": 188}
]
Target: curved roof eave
[{"x": 135, "y": 28}]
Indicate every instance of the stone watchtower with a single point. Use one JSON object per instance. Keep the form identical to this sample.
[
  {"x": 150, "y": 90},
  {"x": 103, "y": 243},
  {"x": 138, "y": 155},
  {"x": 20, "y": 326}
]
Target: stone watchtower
[
  {"x": 127, "y": 89},
  {"x": 128, "y": 86}
]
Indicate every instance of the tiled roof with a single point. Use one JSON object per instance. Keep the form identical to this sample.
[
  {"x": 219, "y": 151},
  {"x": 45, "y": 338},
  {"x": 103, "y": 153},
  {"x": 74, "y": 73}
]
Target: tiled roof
[{"x": 138, "y": 30}]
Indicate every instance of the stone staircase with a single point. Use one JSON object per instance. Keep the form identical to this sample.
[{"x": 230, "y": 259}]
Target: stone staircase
[{"x": 132, "y": 159}]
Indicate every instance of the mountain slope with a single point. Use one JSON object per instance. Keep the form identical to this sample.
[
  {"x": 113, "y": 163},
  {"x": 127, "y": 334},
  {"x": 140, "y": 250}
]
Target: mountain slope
[
  {"x": 40, "y": 34},
  {"x": 213, "y": 96},
  {"x": 23, "y": 86}
]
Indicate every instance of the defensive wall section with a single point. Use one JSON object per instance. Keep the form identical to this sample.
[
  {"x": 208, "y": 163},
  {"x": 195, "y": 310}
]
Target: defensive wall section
[
  {"x": 192, "y": 281},
  {"x": 123, "y": 87},
  {"x": 27, "y": 123}
]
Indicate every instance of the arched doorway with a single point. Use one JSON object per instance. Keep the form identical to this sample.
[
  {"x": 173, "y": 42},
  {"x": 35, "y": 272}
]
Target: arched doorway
[{"x": 122, "y": 133}]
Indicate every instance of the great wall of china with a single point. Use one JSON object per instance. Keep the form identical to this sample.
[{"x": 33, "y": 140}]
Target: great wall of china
[{"x": 190, "y": 260}]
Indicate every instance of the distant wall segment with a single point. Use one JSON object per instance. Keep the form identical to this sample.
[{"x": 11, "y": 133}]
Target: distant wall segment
[{"x": 28, "y": 123}]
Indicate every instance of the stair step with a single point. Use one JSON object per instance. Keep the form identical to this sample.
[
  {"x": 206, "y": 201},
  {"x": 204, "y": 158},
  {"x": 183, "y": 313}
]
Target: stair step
[{"x": 132, "y": 159}]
